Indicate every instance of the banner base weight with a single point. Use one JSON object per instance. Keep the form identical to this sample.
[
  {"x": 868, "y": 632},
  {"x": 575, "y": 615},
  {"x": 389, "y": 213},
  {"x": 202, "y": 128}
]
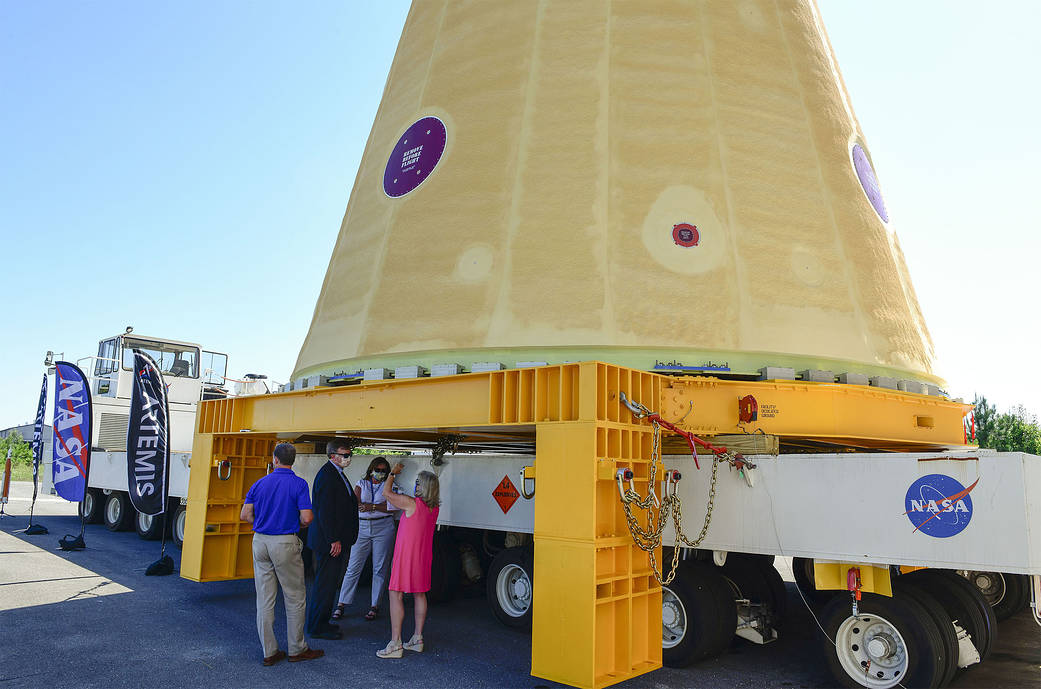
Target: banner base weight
[
  {"x": 71, "y": 542},
  {"x": 161, "y": 567}
]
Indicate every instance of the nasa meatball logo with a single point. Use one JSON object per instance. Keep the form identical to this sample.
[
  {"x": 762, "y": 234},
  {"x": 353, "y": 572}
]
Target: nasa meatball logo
[{"x": 939, "y": 506}]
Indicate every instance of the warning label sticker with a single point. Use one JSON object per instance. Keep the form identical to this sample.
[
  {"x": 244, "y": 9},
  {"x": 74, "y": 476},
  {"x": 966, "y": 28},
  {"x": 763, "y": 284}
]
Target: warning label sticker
[{"x": 505, "y": 494}]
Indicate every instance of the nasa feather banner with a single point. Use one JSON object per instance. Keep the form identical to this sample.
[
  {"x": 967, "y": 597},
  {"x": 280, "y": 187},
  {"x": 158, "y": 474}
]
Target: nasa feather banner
[
  {"x": 38, "y": 436},
  {"x": 72, "y": 425},
  {"x": 148, "y": 438}
]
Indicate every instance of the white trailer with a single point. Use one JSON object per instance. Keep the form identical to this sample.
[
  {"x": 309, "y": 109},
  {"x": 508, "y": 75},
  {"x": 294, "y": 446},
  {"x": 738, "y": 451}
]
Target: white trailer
[
  {"x": 880, "y": 510},
  {"x": 560, "y": 491}
]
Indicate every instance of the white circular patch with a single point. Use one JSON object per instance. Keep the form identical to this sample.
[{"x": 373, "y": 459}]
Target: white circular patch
[
  {"x": 677, "y": 205},
  {"x": 475, "y": 263},
  {"x": 806, "y": 266}
]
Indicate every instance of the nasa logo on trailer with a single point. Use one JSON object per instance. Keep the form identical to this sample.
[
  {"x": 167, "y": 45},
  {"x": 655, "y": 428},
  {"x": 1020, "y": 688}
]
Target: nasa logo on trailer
[{"x": 939, "y": 506}]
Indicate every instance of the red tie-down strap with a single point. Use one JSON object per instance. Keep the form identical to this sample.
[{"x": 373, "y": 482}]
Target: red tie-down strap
[{"x": 641, "y": 412}]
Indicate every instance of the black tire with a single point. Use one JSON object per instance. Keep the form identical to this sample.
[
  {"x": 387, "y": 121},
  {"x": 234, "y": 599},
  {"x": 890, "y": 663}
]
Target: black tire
[
  {"x": 92, "y": 508},
  {"x": 1017, "y": 596},
  {"x": 180, "y": 514},
  {"x": 965, "y": 603},
  {"x": 701, "y": 601},
  {"x": 940, "y": 617},
  {"x": 119, "y": 513},
  {"x": 444, "y": 569},
  {"x": 756, "y": 578},
  {"x": 921, "y": 640},
  {"x": 802, "y": 569},
  {"x": 1006, "y": 593},
  {"x": 148, "y": 528},
  {"x": 509, "y": 586}
]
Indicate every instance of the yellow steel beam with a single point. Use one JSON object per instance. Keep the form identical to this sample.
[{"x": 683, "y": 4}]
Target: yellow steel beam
[{"x": 852, "y": 415}]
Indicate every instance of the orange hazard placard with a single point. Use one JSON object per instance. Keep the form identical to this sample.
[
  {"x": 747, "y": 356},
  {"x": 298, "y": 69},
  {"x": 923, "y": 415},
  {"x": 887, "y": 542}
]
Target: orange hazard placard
[{"x": 505, "y": 494}]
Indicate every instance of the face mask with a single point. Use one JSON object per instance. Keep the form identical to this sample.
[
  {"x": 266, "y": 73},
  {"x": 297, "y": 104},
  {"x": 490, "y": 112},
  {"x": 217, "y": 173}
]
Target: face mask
[{"x": 379, "y": 475}]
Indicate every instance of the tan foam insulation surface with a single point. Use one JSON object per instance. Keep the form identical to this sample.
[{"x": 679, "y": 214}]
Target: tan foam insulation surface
[{"x": 579, "y": 132}]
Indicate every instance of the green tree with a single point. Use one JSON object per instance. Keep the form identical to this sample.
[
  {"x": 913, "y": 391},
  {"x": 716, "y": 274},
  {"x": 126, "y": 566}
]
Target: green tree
[
  {"x": 985, "y": 414},
  {"x": 1014, "y": 431},
  {"x": 21, "y": 451}
]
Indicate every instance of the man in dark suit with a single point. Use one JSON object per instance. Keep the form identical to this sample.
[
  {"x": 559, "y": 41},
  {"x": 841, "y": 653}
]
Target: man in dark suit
[{"x": 330, "y": 537}]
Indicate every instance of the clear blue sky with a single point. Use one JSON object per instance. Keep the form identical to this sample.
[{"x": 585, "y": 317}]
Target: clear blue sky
[{"x": 184, "y": 168}]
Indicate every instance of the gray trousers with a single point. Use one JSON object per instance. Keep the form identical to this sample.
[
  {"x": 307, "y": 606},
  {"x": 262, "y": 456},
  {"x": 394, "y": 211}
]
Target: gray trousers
[
  {"x": 277, "y": 561},
  {"x": 375, "y": 536}
]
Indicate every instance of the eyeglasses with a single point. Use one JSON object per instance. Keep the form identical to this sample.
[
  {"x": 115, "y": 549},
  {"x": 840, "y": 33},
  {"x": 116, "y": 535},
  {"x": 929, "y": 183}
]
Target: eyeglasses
[{"x": 344, "y": 454}]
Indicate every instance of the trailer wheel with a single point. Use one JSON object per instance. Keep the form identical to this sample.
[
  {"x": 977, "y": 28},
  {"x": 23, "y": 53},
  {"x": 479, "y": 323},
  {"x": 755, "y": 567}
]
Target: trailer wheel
[
  {"x": 756, "y": 578},
  {"x": 1006, "y": 593},
  {"x": 180, "y": 515},
  {"x": 941, "y": 618},
  {"x": 92, "y": 507},
  {"x": 510, "y": 585},
  {"x": 698, "y": 615},
  {"x": 964, "y": 603},
  {"x": 148, "y": 527},
  {"x": 802, "y": 569},
  {"x": 119, "y": 513},
  {"x": 891, "y": 642}
]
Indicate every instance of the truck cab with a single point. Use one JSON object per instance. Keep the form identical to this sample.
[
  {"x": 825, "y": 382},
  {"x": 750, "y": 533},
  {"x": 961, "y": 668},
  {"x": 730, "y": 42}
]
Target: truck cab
[{"x": 190, "y": 373}]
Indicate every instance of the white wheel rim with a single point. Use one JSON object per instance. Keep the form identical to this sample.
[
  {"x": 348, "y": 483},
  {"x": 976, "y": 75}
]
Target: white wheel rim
[
  {"x": 179, "y": 525},
  {"x": 88, "y": 503},
  {"x": 673, "y": 618},
  {"x": 144, "y": 521},
  {"x": 113, "y": 510},
  {"x": 513, "y": 590},
  {"x": 871, "y": 651}
]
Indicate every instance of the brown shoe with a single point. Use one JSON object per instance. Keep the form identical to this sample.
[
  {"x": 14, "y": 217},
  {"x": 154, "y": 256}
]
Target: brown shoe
[
  {"x": 276, "y": 657},
  {"x": 309, "y": 654}
]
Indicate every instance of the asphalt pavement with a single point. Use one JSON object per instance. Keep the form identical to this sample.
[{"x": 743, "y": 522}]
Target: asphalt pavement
[{"x": 93, "y": 619}]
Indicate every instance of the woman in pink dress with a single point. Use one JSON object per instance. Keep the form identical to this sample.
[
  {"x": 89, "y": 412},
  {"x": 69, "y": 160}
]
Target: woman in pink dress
[{"x": 413, "y": 552}]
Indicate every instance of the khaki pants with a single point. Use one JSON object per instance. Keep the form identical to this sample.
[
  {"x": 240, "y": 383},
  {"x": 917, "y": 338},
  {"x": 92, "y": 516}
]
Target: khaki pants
[{"x": 277, "y": 561}]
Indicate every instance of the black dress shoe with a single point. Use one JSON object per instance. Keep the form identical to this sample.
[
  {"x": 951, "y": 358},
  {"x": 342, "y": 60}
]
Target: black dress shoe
[{"x": 331, "y": 635}]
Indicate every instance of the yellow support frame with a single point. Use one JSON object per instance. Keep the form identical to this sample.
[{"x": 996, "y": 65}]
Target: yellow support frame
[{"x": 597, "y": 605}]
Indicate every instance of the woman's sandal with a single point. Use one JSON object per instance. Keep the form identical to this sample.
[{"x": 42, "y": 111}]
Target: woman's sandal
[
  {"x": 338, "y": 612},
  {"x": 393, "y": 650},
  {"x": 414, "y": 644},
  {"x": 371, "y": 614}
]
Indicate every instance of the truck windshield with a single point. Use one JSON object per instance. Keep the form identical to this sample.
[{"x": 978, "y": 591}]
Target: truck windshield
[
  {"x": 108, "y": 357},
  {"x": 214, "y": 367},
  {"x": 176, "y": 360}
]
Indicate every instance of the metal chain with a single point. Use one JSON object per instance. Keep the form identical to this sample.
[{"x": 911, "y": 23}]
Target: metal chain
[
  {"x": 445, "y": 444},
  {"x": 649, "y": 539}
]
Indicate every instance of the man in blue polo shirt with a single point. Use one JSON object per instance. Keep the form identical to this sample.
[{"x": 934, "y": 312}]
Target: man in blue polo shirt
[{"x": 278, "y": 506}]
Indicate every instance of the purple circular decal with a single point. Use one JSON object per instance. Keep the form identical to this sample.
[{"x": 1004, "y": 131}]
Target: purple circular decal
[
  {"x": 415, "y": 156},
  {"x": 869, "y": 182}
]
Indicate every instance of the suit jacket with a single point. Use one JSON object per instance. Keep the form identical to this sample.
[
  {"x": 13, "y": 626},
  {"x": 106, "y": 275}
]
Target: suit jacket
[{"x": 335, "y": 511}]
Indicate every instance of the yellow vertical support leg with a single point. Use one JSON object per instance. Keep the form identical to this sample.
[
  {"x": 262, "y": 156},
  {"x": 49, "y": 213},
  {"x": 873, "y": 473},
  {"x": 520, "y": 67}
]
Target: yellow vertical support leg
[
  {"x": 217, "y": 544},
  {"x": 596, "y": 608}
]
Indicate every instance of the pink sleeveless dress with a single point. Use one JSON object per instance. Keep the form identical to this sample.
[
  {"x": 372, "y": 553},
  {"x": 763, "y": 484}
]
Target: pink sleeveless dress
[{"x": 414, "y": 551}]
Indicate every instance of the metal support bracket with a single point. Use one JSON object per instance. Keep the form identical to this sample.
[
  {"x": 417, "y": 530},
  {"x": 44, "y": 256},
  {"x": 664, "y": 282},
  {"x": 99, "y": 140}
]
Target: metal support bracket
[{"x": 525, "y": 477}]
